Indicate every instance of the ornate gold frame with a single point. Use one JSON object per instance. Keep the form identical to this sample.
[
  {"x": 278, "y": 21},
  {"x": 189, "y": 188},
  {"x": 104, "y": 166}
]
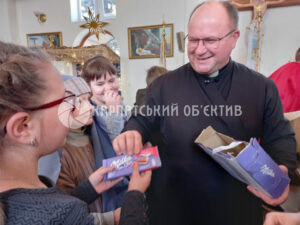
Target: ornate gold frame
[
  {"x": 130, "y": 44},
  {"x": 49, "y": 35}
]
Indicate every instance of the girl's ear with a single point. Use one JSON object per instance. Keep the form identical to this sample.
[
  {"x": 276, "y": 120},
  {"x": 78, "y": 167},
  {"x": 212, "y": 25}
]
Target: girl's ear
[{"x": 18, "y": 128}]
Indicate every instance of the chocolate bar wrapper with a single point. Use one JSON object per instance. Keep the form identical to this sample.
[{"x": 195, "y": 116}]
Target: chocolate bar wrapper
[
  {"x": 147, "y": 159},
  {"x": 247, "y": 162}
]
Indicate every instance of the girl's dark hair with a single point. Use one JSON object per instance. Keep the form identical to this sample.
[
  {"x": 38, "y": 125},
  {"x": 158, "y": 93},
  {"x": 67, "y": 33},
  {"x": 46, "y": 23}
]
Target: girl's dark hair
[{"x": 96, "y": 67}]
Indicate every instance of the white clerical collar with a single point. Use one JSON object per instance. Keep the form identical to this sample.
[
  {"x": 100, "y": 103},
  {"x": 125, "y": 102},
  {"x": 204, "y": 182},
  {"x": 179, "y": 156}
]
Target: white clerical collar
[{"x": 215, "y": 74}]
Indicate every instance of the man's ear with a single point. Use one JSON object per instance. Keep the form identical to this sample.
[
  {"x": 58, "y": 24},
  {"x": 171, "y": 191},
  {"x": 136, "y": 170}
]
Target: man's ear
[
  {"x": 236, "y": 36},
  {"x": 18, "y": 127}
]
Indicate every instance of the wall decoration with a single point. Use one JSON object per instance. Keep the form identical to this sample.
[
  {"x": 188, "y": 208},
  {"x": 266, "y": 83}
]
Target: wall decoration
[
  {"x": 41, "y": 17},
  {"x": 243, "y": 5},
  {"x": 45, "y": 40},
  {"x": 76, "y": 55},
  {"x": 145, "y": 42},
  {"x": 255, "y": 34},
  {"x": 94, "y": 24}
]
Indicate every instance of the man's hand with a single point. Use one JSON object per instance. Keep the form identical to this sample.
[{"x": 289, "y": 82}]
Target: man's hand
[
  {"x": 139, "y": 181},
  {"x": 268, "y": 199},
  {"x": 278, "y": 218},
  {"x": 96, "y": 179},
  {"x": 129, "y": 142}
]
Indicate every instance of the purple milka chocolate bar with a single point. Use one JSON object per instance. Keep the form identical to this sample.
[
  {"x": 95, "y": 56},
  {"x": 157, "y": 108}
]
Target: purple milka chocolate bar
[{"x": 147, "y": 159}]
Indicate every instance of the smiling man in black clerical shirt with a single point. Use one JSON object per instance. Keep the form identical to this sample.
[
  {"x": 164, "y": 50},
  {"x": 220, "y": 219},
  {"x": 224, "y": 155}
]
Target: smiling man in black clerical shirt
[{"x": 212, "y": 89}]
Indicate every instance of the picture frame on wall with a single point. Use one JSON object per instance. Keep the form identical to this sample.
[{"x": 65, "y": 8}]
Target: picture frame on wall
[
  {"x": 144, "y": 42},
  {"x": 45, "y": 40}
]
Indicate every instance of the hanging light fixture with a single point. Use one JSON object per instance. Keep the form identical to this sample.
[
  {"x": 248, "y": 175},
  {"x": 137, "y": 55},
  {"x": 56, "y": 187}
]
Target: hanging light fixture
[{"x": 41, "y": 17}]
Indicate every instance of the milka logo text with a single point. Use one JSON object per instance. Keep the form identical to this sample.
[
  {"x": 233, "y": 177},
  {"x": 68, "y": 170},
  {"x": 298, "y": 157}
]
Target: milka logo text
[
  {"x": 267, "y": 171},
  {"x": 122, "y": 163}
]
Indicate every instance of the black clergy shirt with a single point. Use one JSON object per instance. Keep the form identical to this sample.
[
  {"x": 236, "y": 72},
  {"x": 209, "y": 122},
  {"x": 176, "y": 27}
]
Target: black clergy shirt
[{"x": 190, "y": 188}]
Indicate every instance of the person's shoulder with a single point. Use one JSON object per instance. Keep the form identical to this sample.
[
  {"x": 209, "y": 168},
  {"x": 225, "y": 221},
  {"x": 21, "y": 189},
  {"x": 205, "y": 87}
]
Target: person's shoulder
[
  {"x": 173, "y": 75},
  {"x": 141, "y": 91},
  {"x": 180, "y": 71},
  {"x": 246, "y": 72},
  {"x": 287, "y": 70},
  {"x": 52, "y": 205},
  {"x": 290, "y": 65}
]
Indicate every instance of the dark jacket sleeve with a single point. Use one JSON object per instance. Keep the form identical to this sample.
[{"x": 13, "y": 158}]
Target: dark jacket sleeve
[
  {"x": 278, "y": 139},
  {"x": 85, "y": 192},
  {"x": 133, "y": 209},
  {"x": 145, "y": 119}
]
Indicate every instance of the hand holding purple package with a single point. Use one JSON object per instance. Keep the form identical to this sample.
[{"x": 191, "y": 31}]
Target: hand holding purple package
[
  {"x": 247, "y": 162},
  {"x": 147, "y": 159}
]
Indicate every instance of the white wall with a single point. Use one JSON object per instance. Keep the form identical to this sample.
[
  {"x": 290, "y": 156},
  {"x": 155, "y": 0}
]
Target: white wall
[
  {"x": 280, "y": 38},
  {"x": 58, "y": 19},
  {"x": 281, "y": 31},
  {"x": 8, "y": 21},
  {"x": 144, "y": 13}
]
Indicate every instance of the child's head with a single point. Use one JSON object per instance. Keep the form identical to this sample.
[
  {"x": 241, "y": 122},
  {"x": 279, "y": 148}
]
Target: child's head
[
  {"x": 100, "y": 74},
  {"x": 30, "y": 91},
  {"x": 154, "y": 72}
]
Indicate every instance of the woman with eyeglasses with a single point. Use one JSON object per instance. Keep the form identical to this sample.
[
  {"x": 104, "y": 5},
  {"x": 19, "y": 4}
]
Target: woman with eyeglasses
[
  {"x": 84, "y": 151},
  {"x": 31, "y": 93}
]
